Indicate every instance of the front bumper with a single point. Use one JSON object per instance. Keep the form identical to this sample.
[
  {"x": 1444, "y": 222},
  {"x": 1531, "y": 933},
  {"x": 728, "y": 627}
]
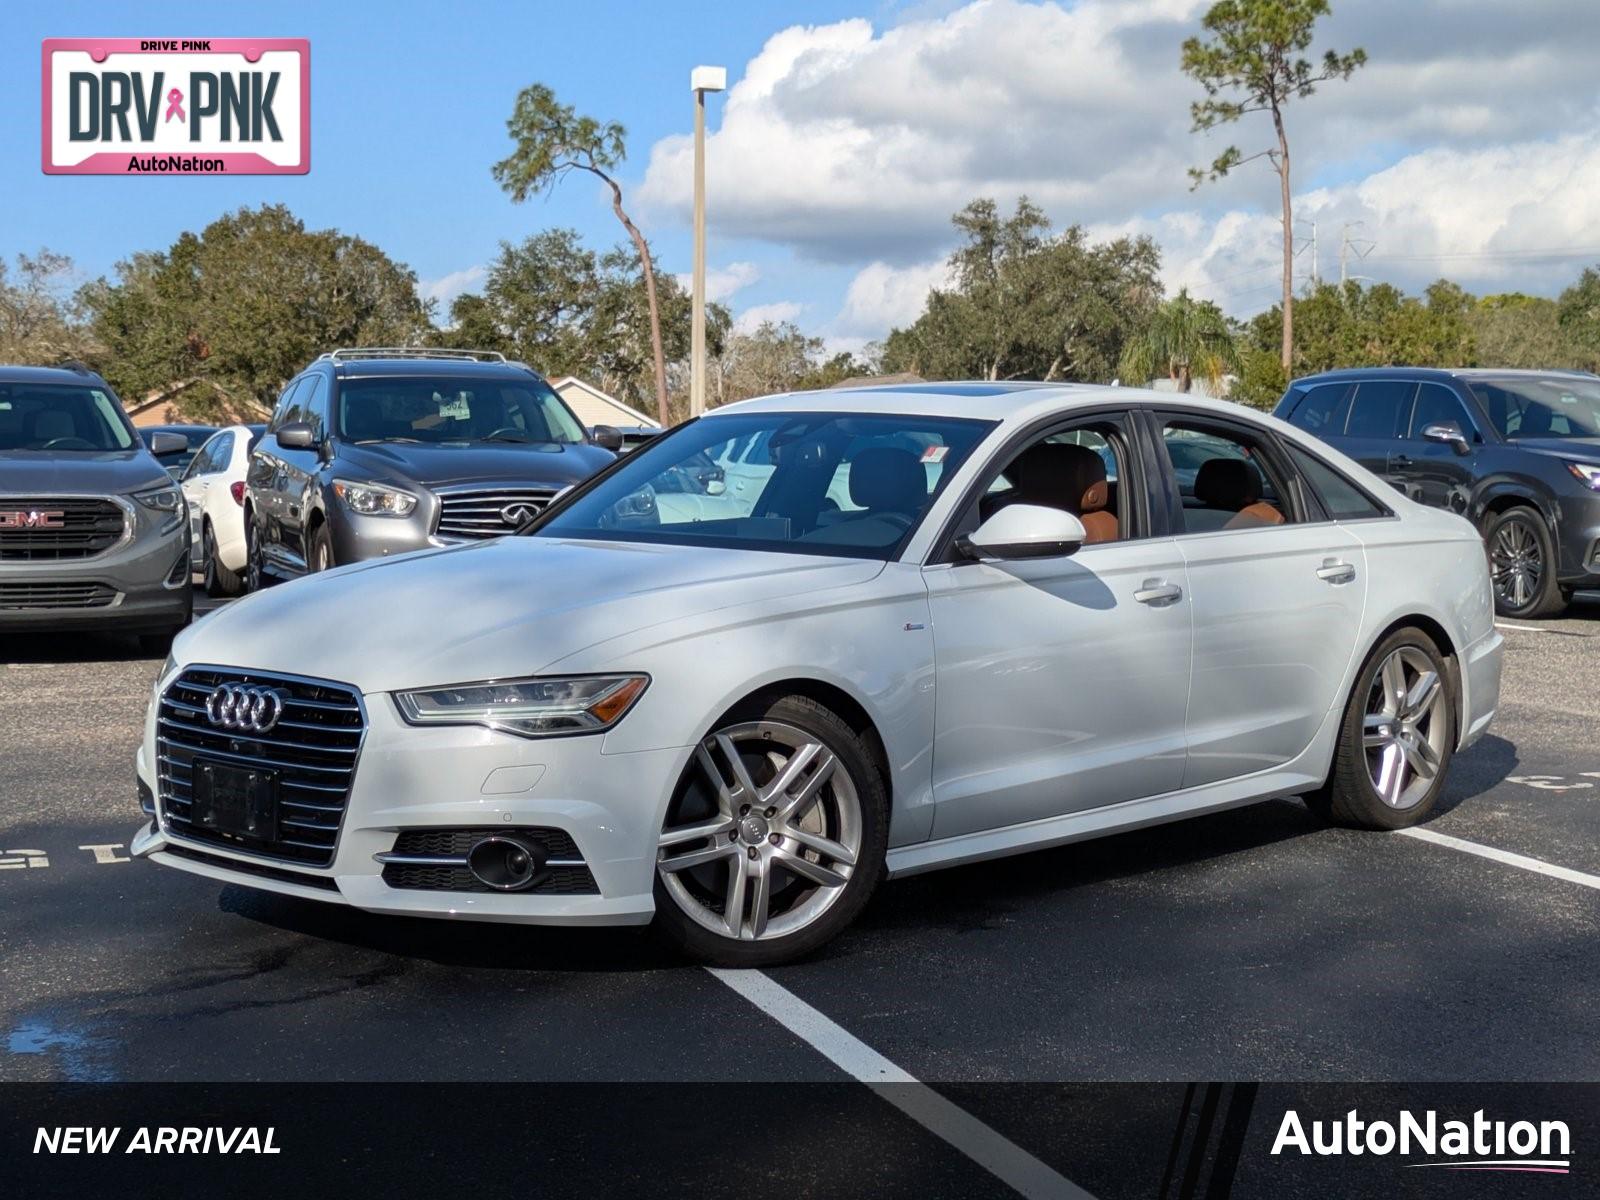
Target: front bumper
[
  {"x": 408, "y": 778},
  {"x": 1578, "y": 546},
  {"x": 147, "y": 576}
]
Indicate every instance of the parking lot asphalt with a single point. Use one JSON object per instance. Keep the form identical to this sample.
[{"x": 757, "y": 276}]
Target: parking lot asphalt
[{"x": 1252, "y": 944}]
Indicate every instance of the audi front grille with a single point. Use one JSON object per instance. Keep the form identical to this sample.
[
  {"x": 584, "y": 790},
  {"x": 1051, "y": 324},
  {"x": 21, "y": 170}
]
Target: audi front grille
[
  {"x": 487, "y": 513},
  {"x": 85, "y": 527},
  {"x": 312, "y": 746},
  {"x": 56, "y": 595}
]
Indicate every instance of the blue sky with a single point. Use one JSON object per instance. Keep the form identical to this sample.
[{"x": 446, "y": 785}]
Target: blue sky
[{"x": 1469, "y": 145}]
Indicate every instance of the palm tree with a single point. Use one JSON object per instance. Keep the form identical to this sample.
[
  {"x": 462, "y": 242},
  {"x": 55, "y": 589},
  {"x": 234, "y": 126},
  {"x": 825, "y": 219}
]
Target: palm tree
[{"x": 1186, "y": 338}]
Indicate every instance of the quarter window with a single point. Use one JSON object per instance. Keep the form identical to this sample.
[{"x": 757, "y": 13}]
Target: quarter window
[
  {"x": 1379, "y": 409},
  {"x": 1224, "y": 479}
]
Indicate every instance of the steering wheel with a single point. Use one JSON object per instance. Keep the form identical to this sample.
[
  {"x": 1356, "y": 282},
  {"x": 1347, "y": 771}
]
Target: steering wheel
[
  {"x": 68, "y": 443},
  {"x": 511, "y": 429}
]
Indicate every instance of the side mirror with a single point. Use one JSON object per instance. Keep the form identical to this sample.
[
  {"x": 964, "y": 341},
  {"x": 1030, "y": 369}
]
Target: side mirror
[
  {"x": 163, "y": 444},
  {"x": 296, "y": 435},
  {"x": 1024, "y": 531},
  {"x": 607, "y": 437},
  {"x": 1449, "y": 433}
]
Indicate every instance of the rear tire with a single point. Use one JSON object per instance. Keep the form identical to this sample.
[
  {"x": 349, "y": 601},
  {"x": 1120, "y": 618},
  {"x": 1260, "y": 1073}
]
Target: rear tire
[
  {"x": 254, "y": 580},
  {"x": 1396, "y": 740},
  {"x": 788, "y": 857},
  {"x": 219, "y": 581},
  {"x": 1522, "y": 565}
]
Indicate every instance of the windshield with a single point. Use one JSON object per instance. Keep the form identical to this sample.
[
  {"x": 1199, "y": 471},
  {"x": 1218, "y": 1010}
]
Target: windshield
[
  {"x": 845, "y": 484},
  {"x": 406, "y": 408},
  {"x": 1543, "y": 408},
  {"x": 61, "y": 418}
]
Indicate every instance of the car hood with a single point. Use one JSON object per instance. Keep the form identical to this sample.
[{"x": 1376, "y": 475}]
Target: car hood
[
  {"x": 1586, "y": 448},
  {"x": 477, "y": 462},
  {"x": 495, "y": 609},
  {"x": 104, "y": 473}
]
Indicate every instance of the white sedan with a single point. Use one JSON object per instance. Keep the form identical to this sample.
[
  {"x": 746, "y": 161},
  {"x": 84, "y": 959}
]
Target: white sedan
[
  {"x": 213, "y": 486},
  {"x": 1027, "y": 627}
]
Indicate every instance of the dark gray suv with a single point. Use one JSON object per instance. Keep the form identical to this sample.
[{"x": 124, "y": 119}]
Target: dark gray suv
[
  {"x": 373, "y": 452},
  {"x": 93, "y": 531},
  {"x": 1516, "y": 452}
]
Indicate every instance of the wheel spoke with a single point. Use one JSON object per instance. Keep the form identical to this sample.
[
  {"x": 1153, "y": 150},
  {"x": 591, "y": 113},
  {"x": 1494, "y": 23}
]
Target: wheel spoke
[
  {"x": 1422, "y": 758},
  {"x": 691, "y": 833},
  {"x": 793, "y": 807},
  {"x": 1391, "y": 776},
  {"x": 744, "y": 788},
  {"x": 695, "y": 858},
  {"x": 792, "y": 771},
  {"x": 1375, "y": 731},
  {"x": 733, "y": 900},
  {"x": 826, "y": 847},
  {"x": 1394, "y": 684},
  {"x": 1421, "y": 697},
  {"x": 807, "y": 869},
  {"x": 760, "y": 896}
]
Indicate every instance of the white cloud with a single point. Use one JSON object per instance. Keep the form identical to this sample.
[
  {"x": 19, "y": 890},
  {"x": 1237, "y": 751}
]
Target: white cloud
[
  {"x": 447, "y": 287},
  {"x": 723, "y": 282},
  {"x": 881, "y": 297},
  {"x": 758, "y": 315}
]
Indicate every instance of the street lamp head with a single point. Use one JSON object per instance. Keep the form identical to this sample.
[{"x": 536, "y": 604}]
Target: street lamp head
[{"x": 708, "y": 79}]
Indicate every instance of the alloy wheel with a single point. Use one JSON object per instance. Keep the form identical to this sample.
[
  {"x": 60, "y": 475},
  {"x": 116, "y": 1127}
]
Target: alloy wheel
[
  {"x": 208, "y": 561},
  {"x": 1405, "y": 726},
  {"x": 764, "y": 832},
  {"x": 1516, "y": 564}
]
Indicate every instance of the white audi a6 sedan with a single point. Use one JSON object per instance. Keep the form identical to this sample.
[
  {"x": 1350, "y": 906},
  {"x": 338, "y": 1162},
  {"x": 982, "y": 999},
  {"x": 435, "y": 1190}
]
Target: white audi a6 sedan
[{"x": 954, "y": 621}]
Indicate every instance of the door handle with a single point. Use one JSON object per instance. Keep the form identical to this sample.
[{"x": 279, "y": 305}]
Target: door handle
[
  {"x": 1401, "y": 460},
  {"x": 1334, "y": 571},
  {"x": 1158, "y": 591}
]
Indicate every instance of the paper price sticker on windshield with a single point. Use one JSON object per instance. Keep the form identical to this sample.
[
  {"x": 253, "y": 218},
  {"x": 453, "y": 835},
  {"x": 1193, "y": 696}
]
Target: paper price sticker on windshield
[
  {"x": 151, "y": 106},
  {"x": 935, "y": 454}
]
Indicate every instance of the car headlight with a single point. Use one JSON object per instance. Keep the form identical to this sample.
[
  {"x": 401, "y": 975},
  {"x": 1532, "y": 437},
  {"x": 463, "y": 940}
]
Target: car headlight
[
  {"x": 528, "y": 707},
  {"x": 371, "y": 500},
  {"x": 168, "y": 498},
  {"x": 1588, "y": 474}
]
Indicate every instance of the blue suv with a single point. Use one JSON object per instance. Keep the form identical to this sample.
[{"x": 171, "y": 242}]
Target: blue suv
[{"x": 1515, "y": 452}]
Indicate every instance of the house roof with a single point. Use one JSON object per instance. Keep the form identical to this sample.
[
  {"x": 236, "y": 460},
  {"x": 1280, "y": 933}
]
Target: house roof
[{"x": 625, "y": 413}]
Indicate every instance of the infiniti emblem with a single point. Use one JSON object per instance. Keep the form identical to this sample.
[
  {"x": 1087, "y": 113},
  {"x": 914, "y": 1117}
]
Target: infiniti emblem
[
  {"x": 517, "y": 514},
  {"x": 247, "y": 706}
]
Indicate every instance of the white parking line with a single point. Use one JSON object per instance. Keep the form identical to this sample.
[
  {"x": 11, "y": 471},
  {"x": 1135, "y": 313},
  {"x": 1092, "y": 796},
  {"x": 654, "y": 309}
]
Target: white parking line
[
  {"x": 1002, "y": 1158},
  {"x": 1536, "y": 865}
]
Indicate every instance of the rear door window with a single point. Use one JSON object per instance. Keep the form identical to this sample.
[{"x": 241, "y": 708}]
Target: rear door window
[
  {"x": 1380, "y": 408},
  {"x": 1321, "y": 409}
]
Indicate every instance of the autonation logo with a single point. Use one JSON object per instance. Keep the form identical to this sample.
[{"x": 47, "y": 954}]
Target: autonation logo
[{"x": 1476, "y": 1145}]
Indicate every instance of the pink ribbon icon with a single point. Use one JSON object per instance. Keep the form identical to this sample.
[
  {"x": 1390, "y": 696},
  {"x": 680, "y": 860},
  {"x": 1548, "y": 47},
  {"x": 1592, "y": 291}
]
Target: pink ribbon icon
[{"x": 175, "y": 105}]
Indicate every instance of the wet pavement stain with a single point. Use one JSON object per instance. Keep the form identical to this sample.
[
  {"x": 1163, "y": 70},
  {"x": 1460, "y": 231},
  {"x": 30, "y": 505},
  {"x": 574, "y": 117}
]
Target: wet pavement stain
[{"x": 80, "y": 1056}]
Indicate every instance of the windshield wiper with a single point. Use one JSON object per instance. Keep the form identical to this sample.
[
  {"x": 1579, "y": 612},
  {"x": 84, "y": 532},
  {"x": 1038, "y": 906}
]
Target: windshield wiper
[
  {"x": 371, "y": 441},
  {"x": 500, "y": 437}
]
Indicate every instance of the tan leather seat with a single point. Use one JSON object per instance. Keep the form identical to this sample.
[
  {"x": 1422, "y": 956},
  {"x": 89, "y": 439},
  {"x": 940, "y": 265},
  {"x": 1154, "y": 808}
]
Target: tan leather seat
[
  {"x": 1072, "y": 478},
  {"x": 1234, "y": 485}
]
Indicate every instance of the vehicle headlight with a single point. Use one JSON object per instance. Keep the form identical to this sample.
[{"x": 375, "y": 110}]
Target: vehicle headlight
[
  {"x": 1587, "y": 474},
  {"x": 371, "y": 500},
  {"x": 528, "y": 707},
  {"x": 167, "y": 498}
]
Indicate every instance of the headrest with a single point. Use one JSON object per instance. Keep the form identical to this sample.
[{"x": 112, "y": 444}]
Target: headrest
[
  {"x": 1228, "y": 483},
  {"x": 51, "y": 423},
  {"x": 1535, "y": 421},
  {"x": 1062, "y": 475},
  {"x": 888, "y": 479}
]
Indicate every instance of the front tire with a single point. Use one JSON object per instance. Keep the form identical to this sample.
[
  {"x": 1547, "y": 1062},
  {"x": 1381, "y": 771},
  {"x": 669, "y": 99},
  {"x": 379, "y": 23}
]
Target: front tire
[
  {"x": 321, "y": 550},
  {"x": 774, "y": 839},
  {"x": 1396, "y": 740},
  {"x": 1522, "y": 565}
]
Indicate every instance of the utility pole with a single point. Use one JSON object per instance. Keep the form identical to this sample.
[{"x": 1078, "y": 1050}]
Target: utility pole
[
  {"x": 1314, "y": 275},
  {"x": 1360, "y": 246},
  {"x": 701, "y": 81}
]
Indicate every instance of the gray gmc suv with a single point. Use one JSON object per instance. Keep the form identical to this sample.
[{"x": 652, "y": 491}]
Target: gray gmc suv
[
  {"x": 373, "y": 452},
  {"x": 93, "y": 531}
]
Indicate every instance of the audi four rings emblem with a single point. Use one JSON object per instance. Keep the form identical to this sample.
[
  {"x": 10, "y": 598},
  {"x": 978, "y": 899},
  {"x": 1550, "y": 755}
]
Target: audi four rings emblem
[
  {"x": 517, "y": 514},
  {"x": 245, "y": 706}
]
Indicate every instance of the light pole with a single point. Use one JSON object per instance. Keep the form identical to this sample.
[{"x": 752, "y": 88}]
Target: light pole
[{"x": 701, "y": 81}]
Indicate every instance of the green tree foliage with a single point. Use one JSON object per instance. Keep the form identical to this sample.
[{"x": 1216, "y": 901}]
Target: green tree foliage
[
  {"x": 220, "y": 321},
  {"x": 40, "y": 321},
  {"x": 566, "y": 310},
  {"x": 1254, "y": 61},
  {"x": 777, "y": 357},
  {"x": 1184, "y": 339},
  {"x": 1027, "y": 304},
  {"x": 1578, "y": 311},
  {"x": 552, "y": 141}
]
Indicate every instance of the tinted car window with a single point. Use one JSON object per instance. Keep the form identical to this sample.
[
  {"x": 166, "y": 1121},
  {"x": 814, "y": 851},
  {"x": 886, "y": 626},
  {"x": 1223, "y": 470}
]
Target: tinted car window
[
  {"x": 61, "y": 418},
  {"x": 888, "y": 466},
  {"x": 1379, "y": 409},
  {"x": 1341, "y": 499},
  {"x": 1438, "y": 405},
  {"x": 1321, "y": 409},
  {"x": 407, "y": 408}
]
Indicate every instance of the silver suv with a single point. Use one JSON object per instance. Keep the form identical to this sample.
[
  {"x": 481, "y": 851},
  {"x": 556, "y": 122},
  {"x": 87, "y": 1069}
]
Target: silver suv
[
  {"x": 93, "y": 531},
  {"x": 375, "y": 452}
]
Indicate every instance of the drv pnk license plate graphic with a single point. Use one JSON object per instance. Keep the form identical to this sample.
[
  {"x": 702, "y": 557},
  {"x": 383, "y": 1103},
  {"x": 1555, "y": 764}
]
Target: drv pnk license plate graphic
[{"x": 170, "y": 106}]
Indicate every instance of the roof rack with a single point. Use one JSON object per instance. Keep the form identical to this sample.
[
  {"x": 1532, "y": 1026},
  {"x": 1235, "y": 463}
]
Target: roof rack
[
  {"x": 347, "y": 353},
  {"x": 72, "y": 364}
]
